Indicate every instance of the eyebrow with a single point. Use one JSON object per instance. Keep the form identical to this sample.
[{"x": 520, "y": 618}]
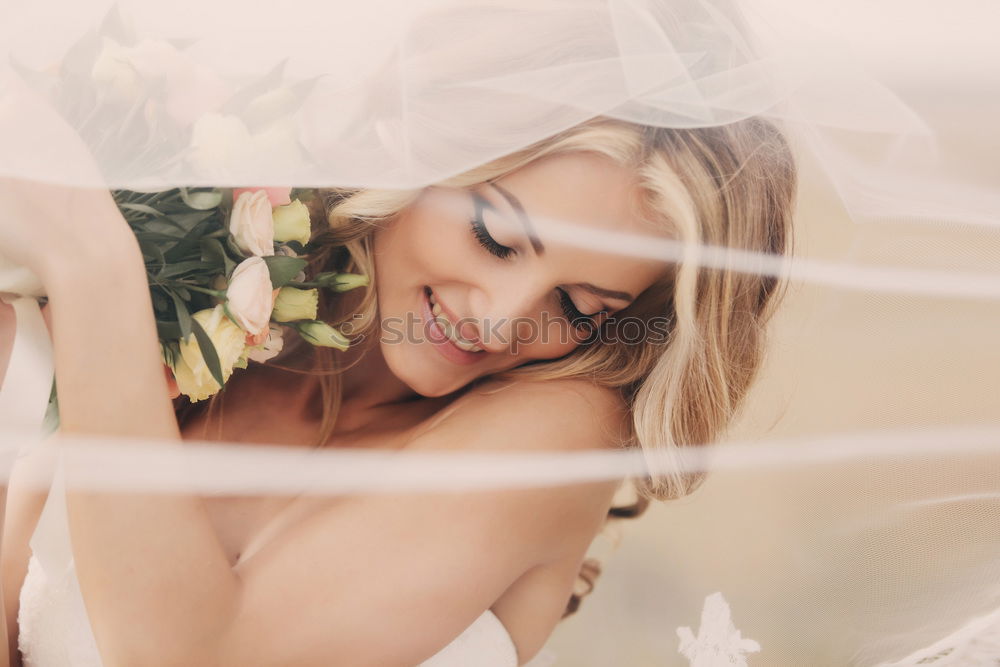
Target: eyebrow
[
  {"x": 607, "y": 293},
  {"x": 540, "y": 249},
  {"x": 536, "y": 243}
]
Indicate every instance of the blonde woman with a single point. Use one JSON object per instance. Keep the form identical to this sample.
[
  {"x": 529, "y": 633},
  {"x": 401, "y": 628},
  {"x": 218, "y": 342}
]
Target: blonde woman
[{"x": 516, "y": 349}]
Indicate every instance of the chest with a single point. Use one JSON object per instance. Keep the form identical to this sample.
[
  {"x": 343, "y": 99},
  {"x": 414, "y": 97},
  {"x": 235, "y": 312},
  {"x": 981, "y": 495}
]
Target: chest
[{"x": 248, "y": 521}]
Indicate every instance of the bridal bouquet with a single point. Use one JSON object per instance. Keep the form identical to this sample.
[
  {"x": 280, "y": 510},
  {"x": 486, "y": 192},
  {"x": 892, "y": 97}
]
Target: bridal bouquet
[
  {"x": 226, "y": 276},
  {"x": 225, "y": 266}
]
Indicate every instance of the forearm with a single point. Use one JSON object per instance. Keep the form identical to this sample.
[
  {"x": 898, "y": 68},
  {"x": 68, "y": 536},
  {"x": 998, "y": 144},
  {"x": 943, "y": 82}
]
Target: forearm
[{"x": 158, "y": 586}]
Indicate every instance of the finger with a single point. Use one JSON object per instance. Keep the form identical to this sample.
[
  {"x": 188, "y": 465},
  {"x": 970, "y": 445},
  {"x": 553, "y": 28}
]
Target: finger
[
  {"x": 47, "y": 316},
  {"x": 172, "y": 387}
]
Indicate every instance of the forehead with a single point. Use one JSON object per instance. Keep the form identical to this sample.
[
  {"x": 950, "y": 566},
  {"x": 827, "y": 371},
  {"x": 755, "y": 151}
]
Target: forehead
[{"x": 585, "y": 208}]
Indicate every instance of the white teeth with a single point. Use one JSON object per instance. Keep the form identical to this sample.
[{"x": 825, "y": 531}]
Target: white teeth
[{"x": 449, "y": 328}]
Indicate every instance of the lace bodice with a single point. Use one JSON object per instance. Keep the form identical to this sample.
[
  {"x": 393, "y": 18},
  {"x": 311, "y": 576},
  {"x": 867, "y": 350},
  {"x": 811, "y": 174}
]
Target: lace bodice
[{"x": 54, "y": 630}]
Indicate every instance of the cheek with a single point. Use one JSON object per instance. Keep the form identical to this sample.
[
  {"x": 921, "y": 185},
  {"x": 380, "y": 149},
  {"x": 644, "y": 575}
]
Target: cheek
[
  {"x": 420, "y": 248},
  {"x": 545, "y": 337}
]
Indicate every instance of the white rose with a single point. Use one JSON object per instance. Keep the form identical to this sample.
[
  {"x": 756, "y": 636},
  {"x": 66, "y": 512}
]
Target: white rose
[
  {"x": 251, "y": 224},
  {"x": 250, "y": 296},
  {"x": 113, "y": 68},
  {"x": 224, "y": 147},
  {"x": 271, "y": 106},
  {"x": 190, "y": 370},
  {"x": 270, "y": 348},
  {"x": 274, "y": 149},
  {"x": 218, "y": 144}
]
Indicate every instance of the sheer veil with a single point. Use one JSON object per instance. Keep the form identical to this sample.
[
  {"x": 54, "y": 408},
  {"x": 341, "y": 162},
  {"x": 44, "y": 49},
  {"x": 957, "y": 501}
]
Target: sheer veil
[{"x": 850, "y": 514}]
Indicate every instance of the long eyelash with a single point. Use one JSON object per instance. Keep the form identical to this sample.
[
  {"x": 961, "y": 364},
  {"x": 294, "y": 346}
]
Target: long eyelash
[
  {"x": 484, "y": 237},
  {"x": 575, "y": 317}
]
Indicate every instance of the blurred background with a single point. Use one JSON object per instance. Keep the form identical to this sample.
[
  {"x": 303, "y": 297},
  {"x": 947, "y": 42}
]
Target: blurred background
[{"x": 851, "y": 562}]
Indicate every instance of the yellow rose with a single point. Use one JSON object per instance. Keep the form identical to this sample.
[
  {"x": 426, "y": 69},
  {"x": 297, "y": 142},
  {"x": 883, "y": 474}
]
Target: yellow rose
[
  {"x": 291, "y": 223},
  {"x": 190, "y": 370},
  {"x": 295, "y": 304}
]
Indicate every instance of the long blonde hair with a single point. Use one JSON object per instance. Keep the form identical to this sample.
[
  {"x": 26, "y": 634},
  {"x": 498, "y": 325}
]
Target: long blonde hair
[{"x": 730, "y": 186}]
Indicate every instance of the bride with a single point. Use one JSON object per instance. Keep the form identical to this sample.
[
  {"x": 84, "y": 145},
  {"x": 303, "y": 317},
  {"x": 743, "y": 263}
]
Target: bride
[{"x": 483, "y": 329}]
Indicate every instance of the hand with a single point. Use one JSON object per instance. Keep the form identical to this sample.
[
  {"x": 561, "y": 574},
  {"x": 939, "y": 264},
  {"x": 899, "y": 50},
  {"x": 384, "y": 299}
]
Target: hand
[
  {"x": 45, "y": 225},
  {"x": 53, "y": 227}
]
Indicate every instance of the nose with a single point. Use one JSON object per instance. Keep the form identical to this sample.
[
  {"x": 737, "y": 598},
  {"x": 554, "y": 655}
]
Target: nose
[{"x": 502, "y": 313}]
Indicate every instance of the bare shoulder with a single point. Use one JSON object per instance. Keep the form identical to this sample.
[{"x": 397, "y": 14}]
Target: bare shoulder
[
  {"x": 538, "y": 416},
  {"x": 430, "y": 563},
  {"x": 564, "y": 414}
]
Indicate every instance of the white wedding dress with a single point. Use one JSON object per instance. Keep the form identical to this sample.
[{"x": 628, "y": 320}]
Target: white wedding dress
[{"x": 54, "y": 630}]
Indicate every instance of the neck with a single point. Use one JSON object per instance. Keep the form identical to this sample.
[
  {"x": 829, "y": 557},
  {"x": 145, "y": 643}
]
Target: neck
[{"x": 368, "y": 383}]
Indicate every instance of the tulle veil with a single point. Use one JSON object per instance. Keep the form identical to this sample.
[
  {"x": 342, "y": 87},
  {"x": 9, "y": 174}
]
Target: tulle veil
[{"x": 849, "y": 517}]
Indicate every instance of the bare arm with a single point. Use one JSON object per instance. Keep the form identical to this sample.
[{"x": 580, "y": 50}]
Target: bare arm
[
  {"x": 155, "y": 559},
  {"x": 390, "y": 579},
  {"x": 375, "y": 580}
]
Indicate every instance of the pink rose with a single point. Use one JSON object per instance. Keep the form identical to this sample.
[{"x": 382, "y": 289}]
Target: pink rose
[
  {"x": 250, "y": 297},
  {"x": 251, "y": 224},
  {"x": 277, "y": 196}
]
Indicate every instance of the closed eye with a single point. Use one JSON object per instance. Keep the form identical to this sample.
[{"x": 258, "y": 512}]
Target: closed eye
[
  {"x": 482, "y": 234},
  {"x": 572, "y": 313}
]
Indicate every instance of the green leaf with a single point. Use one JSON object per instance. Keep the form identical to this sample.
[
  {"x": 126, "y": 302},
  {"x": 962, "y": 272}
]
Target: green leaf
[
  {"x": 181, "y": 268},
  {"x": 189, "y": 220},
  {"x": 144, "y": 209},
  {"x": 283, "y": 269},
  {"x": 170, "y": 352},
  {"x": 186, "y": 250},
  {"x": 80, "y": 57},
  {"x": 184, "y": 320},
  {"x": 342, "y": 282},
  {"x": 159, "y": 302},
  {"x": 157, "y": 237},
  {"x": 154, "y": 253},
  {"x": 233, "y": 248},
  {"x": 212, "y": 250},
  {"x": 208, "y": 351},
  {"x": 200, "y": 200},
  {"x": 113, "y": 26}
]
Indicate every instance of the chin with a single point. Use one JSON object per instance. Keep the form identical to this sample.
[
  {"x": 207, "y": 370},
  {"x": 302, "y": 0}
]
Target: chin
[{"x": 423, "y": 379}]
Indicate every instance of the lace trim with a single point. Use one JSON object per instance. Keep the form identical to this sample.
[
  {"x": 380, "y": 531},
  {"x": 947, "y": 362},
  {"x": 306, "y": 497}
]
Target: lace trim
[{"x": 718, "y": 641}]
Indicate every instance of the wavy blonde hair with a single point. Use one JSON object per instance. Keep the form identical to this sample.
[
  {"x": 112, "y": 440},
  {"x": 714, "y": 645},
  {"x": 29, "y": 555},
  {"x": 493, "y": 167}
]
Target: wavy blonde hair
[{"x": 730, "y": 186}]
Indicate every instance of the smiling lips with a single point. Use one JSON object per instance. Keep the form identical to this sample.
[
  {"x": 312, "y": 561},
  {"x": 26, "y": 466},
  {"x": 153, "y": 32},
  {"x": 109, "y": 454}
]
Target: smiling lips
[{"x": 448, "y": 328}]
